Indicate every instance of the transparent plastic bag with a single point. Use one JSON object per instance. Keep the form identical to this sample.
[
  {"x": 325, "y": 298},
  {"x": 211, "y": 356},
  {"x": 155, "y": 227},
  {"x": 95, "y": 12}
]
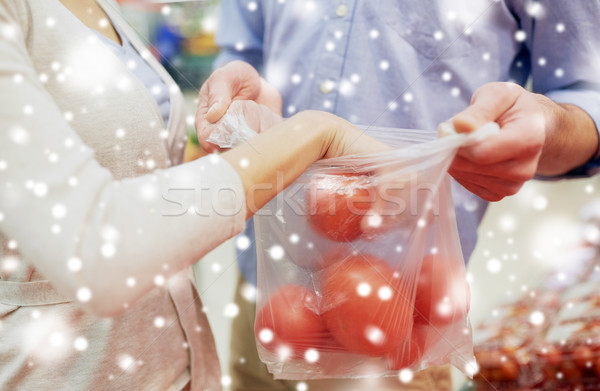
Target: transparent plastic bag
[
  {"x": 338, "y": 301},
  {"x": 244, "y": 119},
  {"x": 360, "y": 270}
]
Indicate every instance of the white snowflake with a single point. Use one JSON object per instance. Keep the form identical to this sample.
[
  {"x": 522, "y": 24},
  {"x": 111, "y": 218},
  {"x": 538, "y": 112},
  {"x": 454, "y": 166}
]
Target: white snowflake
[
  {"x": 301, "y": 386},
  {"x": 405, "y": 375},
  {"x": 535, "y": 9},
  {"x": 225, "y": 380},
  {"x": 540, "y": 202},
  {"x": 159, "y": 280},
  {"x": 80, "y": 344},
  {"x": 125, "y": 362},
  {"x": 231, "y": 310},
  {"x": 19, "y": 136},
  {"x": 40, "y": 189},
  {"x": 385, "y": 293},
  {"x": 266, "y": 335},
  {"x": 311, "y": 355},
  {"x": 59, "y": 211},
  {"x": 84, "y": 294},
  {"x": 363, "y": 289},
  {"x": 108, "y": 250},
  {"x": 159, "y": 322},
  {"x": 74, "y": 264},
  {"x": 276, "y": 252},
  {"x": 375, "y": 335}
]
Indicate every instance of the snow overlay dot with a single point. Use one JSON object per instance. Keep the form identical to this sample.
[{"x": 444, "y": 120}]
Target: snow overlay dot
[
  {"x": 405, "y": 375},
  {"x": 59, "y": 211},
  {"x": 494, "y": 265},
  {"x": 84, "y": 294},
  {"x": 231, "y": 310},
  {"x": 385, "y": 293},
  {"x": 80, "y": 344},
  {"x": 74, "y": 264},
  {"x": 276, "y": 252},
  {"x": 537, "y": 318},
  {"x": 265, "y": 335},
  {"x": 242, "y": 242},
  {"x": 311, "y": 355},
  {"x": 363, "y": 289},
  {"x": 159, "y": 322},
  {"x": 375, "y": 335}
]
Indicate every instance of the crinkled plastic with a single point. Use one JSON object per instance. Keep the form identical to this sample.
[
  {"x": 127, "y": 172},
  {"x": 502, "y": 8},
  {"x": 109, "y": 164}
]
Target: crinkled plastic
[
  {"x": 360, "y": 270},
  {"x": 244, "y": 119}
]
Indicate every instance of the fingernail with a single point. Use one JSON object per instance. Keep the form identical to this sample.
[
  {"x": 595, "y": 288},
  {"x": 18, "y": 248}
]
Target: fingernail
[{"x": 214, "y": 106}]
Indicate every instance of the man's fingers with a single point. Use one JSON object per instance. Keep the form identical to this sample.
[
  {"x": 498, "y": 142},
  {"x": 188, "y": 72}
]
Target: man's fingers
[
  {"x": 488, "y": 103},
  {"x": 512, "y": 142},
  {"x": 487, "y": 187},
  {"x": 518, "y": 170},
  {"x": 218, "y": 107}
]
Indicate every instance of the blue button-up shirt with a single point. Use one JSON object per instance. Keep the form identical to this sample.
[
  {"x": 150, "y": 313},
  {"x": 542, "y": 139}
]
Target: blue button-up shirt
[{"x": 414, "y": 63}]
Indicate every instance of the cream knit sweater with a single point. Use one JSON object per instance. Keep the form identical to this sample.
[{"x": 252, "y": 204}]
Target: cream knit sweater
[{"x": 99, "y": 221}]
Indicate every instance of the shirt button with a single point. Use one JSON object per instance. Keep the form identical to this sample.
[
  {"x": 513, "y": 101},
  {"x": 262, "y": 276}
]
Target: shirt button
[
  {"x": 341, "y": 10},
  {"x": 327, "y": 86}
]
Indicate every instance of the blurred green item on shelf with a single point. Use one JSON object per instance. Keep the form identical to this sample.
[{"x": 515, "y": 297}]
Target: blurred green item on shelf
[
  {"x": 189, "y": 71},
  {"x": 193, "y": 137}
]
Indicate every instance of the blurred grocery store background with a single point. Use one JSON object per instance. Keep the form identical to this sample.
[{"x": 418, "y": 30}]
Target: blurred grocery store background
[{"x": 522, "y": 238}]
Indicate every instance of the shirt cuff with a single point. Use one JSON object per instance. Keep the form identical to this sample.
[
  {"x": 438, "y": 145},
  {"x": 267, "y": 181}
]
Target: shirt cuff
[{"x": 588, "y": 101}]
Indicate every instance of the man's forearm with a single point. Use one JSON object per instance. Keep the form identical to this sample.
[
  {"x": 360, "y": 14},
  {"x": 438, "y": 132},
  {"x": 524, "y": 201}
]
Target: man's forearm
[{"x": 571, "y": 140}]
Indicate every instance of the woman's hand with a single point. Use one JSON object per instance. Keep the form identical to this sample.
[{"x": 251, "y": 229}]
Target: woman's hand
[{"x": 271, "y": 161}]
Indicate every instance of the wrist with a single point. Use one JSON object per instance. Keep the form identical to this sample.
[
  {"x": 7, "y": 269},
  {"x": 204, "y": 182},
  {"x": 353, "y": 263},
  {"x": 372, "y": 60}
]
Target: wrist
[
  {"x": 320, "y": 127},
  {"x": 571, "y": 139}
]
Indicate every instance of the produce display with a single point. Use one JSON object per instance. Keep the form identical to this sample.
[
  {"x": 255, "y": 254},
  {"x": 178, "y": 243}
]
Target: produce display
[{"x": 549, "y": 339}]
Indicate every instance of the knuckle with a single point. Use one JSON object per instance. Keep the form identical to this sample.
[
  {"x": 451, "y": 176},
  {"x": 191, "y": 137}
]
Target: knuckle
[
  {"x": 497, "y": 88},
  {"x": 521, "y": 176},
  {"x": 480, "y": 156},
  {"x": 513, "y": 189}
]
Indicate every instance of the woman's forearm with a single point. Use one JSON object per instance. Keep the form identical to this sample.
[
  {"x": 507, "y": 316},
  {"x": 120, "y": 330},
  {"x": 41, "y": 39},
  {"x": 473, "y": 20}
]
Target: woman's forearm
[{"x": 269, "y": 163}]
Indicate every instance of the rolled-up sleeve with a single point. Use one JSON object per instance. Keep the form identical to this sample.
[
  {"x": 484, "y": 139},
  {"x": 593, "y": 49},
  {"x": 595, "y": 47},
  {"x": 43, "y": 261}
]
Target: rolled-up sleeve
[{"x": 562, "y": 40}]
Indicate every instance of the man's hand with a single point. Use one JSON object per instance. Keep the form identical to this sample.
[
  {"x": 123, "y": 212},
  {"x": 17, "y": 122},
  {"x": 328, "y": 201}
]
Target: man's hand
[
  {"x": 235, "y": 81},
  {"x": 536, "y": 135}
]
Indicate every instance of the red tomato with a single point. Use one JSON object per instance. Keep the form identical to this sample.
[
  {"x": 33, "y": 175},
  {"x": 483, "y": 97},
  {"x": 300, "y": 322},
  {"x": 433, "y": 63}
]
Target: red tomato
[
  {"x": 410, "y": 352},
  {"x": 509, "y": 369},
  {"x": 494, "y": 365},
  {"x": 551, "y": 358},
  {"x": 596, "y": 366},
  {"x": 489, "y": 365},
  {"x": 337, "y": 204},
  {"x": 583, "y": 357},
  {"x": 442, "y": 295},
  {"x": 288, "y": 323},
  {"x": 570, "y": 370},
  {"x": 365, "y": 306}
]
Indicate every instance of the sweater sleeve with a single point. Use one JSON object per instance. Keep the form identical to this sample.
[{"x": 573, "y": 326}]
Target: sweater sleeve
[{"x": 102, "y": 241}]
